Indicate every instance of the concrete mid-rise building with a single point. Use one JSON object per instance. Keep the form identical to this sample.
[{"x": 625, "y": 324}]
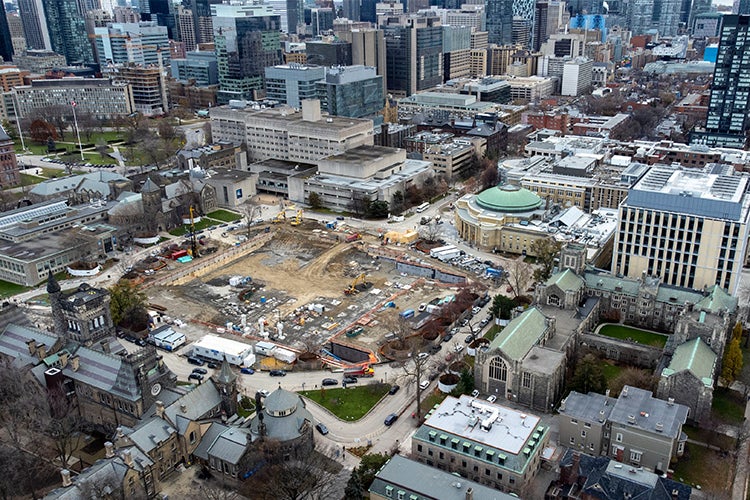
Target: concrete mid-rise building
[
  {"x": 690, "y": 227},
  {"x": 99, "y": 97},
  {"x": 576, "y": 77},
  {"x": 282, "y": 133},
  {"x": 353, "y": 91},
  {"x": 292, "y": 83},
  {"x": 484, "y": 442}
]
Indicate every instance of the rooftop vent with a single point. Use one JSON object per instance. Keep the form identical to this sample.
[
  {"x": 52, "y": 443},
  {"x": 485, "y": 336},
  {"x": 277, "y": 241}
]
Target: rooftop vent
[
  {"x": 659, "y": 426},
  {"x": 670, "y": 402},
  {"x": 631, "y": 419}
]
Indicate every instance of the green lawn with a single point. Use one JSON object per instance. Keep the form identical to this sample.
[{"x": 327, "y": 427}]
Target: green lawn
[
  {"x": 728, "y": 405},
  {"x": 704, "y": 467},
  {"x": 224, "y": 216},
  {"x": 639, "y": 336},
  {"x": 203, "y": 224},
  {"x": 94, "y": 158},
  {"x": 349, "y": 404},
  {"x": 710, "y": 437},
  {"x": 492, "y": 332},
  {"x": 434, "y": 398},
  {"x": 28, "y": 180},
  {"x": 610, "y": 370},
  {"x": 37, "y": 149},
  {"x": 8, "y": 289}
]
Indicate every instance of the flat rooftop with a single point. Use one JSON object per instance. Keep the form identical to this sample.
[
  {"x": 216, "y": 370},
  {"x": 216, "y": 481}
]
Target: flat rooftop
[{"x": 484, "y": 422}]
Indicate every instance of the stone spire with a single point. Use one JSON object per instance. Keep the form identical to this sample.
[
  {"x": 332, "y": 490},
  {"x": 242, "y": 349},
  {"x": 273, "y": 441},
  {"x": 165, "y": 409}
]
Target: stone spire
[{"x": 55, "y": 299}]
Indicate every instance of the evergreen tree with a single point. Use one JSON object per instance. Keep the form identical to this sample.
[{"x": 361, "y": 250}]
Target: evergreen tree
[
  {"x": 732, "y": 365},
  {"x": 589, "y": 376}
]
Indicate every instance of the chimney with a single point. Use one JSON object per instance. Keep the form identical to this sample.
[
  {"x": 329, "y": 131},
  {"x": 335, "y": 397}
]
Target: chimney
[
  {"x": 606, "y": 393},
  {"x": 572, "y": 470},
  {"x": 120, "y": 434},
  {"x": 183, "y": 408},
  {"x": 41, "y": 351},
  {"x": 631, "y": 419},
  {"x": 109, "y": 450},
  {"x": 159, "y": 409},
  {"x": 127, "y": 458},
  {"x": 74, "y": 363},
  {"x": 624, "y": 392},
  {"x": 670, "y": 402},
  {"x": 470, "y": 494},
  {"x": 65, "y": 473},
  {"x": 64, "y": 356},
  {"x": 32, "y": 346},
  {"x": 659, "y": 427},
  {"x": 105, "y": 346},
  {"x": 562, "y": 405}
]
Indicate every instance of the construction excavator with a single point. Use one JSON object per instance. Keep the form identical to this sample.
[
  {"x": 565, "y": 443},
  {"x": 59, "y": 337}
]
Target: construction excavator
[
  {"x": 280, "y": 217},
  {"x": 359, "y": 280},
  {"x": 297, "y": 220}
]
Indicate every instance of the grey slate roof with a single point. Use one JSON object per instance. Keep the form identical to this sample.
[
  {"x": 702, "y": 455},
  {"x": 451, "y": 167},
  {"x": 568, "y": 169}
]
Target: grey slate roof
[
  {"x": 288, "y": 426},
  {"x": 588, "y": 406},
  {"x": 427, "y": 482},
  {"x": 150, "y": 433},
  {"x": 103, "y": 471},
  {"x": 648, "y": 411},
  {"x": 606, "y": 479},
  {"x": 13, "y": 342},
  {"x": 197, "y": 403},
  {"x": 97, "y": 181},
  {"x": 207, "y": 440},
  {"x": 230, "y": 445}
]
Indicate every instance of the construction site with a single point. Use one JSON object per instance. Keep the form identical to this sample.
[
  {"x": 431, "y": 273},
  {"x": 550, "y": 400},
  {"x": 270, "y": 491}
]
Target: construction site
[{"x": 333, "y": 296}]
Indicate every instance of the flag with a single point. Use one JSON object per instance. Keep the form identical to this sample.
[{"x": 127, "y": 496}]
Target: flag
[{"x": 73, "y": 103}]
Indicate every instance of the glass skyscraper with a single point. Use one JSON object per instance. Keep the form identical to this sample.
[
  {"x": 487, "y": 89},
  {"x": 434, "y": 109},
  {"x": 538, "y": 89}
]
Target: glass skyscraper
[
  {"x": 67, "y": 31},
  {"x": 247, "y": 42},
  {"x": 727, "y": 121}
]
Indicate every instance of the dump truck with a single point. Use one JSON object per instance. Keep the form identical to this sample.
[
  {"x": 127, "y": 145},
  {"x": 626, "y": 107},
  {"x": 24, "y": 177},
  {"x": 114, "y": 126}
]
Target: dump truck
[{"x": 359, "y": 371}]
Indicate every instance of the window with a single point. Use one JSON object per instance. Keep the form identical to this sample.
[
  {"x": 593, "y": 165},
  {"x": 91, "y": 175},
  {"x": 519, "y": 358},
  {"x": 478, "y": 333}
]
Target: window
[
  {"x": 572, "y": 440},
  {"x": 583, "y": 433},
  {"x": 618, "y": 437},
  {"x": 389, "y": 491},
  {"x": 591, "y": 446},
  {"x": 419, "y": 447},
  {"x": 526, "y": 380},
  {"x": 635, "y": 456},
  {"x": 498, "y": 369}
]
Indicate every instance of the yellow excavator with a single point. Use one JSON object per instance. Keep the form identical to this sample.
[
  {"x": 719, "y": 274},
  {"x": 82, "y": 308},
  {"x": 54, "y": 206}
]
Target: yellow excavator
[
  {"x": 297, "y": 220},
  {"x": 353, "y": 286},
  {"x": 280, "y": 217}
]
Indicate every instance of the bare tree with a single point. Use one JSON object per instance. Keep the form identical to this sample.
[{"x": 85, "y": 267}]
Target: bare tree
[
  {"x": 416, "y": 370},
  {"x": 252, "y": 211},
  {"x": 63, "y": 425},
  {"x": 308, "y": 476},
  {"x": 431, "y": 231},
  {"x": 519, "y": 276}
]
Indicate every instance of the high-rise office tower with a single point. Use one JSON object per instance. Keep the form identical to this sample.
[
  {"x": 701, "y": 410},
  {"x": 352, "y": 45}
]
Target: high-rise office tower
[
  {"x": 741, "y": 7},
  {"x": 539, "y": 33},
  {"x": 161, "y": 11},
  {"x": 137, "y": 43},
  {"x": 185, "y": 28},
  {"x": 368, "y": 49},
  {"x": 660, "y": 15},
  {"x": 697, "y": 8},
  {"x": 34, "y": 24},
  {"x": 202, "y": 23},
  {"x": 500, "y": 21},
  {"x": 352, "y": 91},
  {"x": 67, "y": 31},
  {"x": 295, "y": 15},
  {"x": 17, "y": 38},
  {"x": 6, "y": 44},
  {"x": 247, "y": 42},
  {"x": 318, "y": 21},
  {"x": 351, "y": 9},
  {"x": 368, "y": 11},
  {"x": 414, "y": 52},
  {"x": 727, "y": 122},
  {"x": 687, "y": 226}
]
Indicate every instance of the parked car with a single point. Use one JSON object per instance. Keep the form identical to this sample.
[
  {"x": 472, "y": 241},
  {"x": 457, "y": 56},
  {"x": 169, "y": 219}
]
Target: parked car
[
  {"x": 247, "y": 371},
  {"x": 195, "y": 361},
  {"x": 476, "y": 310},
  {"x": 211, "y": 364},
  {"x": 424, "y": 384},
  {"x": 277, "y": 373},
  {"x": 422, "y": 355},
  {"x": 435, "y": 349},
  {"x": 469, "y": 339},
  {"x": 195, "y": 376},
  {"x": 264, "y": 393},
  {"x": 433, "y": 376},
  {"x": 448, "y": 337},
  {"x": 322, "y": 428},
  {"x": 475, "y": 393},
  {"x": 330, "y": 381},
  {"x": 350, "y": 380},
  {"x": 340, "y": 217},
  {"x": 394, "y": 389},
  {"x": 202, "y": 371},
  {"x": 390, "y": 419},
  {"x": 459, "y": 348},
  {"x": 492, "y": 398}
]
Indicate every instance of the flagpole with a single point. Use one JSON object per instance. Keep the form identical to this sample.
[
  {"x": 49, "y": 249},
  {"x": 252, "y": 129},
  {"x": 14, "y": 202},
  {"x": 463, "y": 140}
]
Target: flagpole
[{"x": 78, "y": 134}]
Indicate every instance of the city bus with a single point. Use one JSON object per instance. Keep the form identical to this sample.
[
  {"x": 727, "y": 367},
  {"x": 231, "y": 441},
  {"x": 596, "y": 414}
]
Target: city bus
[{"x": 421, "y": 208}]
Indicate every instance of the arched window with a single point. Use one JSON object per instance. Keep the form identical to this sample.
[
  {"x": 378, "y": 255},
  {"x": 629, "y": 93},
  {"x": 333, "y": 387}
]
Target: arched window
[
  {"x": 498, "y": 369},
  {"x": 553, "y": 300}
]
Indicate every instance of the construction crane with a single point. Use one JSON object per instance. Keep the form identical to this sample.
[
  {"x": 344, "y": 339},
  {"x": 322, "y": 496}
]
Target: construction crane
[
  {"x": 297, "y": 220},
  {"x": 193, "y": 245},
  {"x": 353, "y": 286},
  {"x": 280, "y": 217}
]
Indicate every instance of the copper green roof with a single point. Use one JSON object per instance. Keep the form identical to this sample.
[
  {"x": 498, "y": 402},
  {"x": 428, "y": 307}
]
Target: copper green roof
[
  {"x": 521, "y": 334},
  {"x": 696, "y": 357},
  {"x": 566, "y": 280},
  {"x": 508, "y": 198},
  {"x": 717, "y": 300}
]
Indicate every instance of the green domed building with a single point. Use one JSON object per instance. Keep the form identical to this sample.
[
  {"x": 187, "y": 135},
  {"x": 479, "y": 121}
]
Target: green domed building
[{"x": 499, "y": 218}]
